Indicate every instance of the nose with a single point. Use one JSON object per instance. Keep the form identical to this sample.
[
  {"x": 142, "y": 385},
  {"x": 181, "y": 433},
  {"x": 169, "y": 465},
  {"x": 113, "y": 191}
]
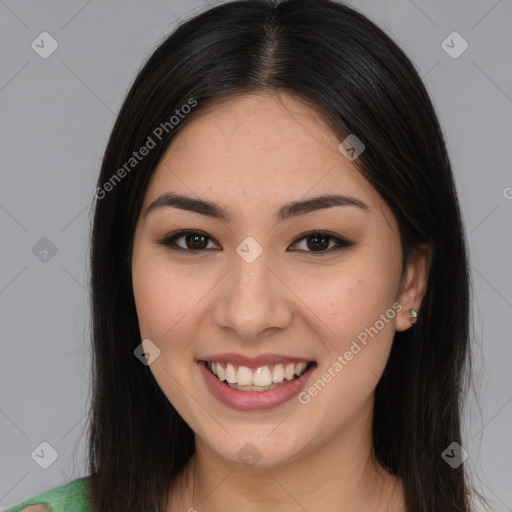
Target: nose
[{"x": 254, "y": 301}]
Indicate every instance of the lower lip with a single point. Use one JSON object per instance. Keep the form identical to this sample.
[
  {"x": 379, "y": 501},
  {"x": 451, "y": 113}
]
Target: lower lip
[{"x": 254, "y": 400}]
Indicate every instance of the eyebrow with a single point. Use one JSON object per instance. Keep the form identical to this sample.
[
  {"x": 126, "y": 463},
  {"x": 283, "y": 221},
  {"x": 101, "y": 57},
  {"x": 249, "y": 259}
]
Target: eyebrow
[{"x": 292, "y": 209}]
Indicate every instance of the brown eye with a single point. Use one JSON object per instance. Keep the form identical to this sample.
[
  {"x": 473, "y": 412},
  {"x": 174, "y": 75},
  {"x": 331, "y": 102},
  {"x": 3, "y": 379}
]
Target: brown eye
[
  {"x": 194, "y": 241},
  {"x": 319, "y": 241}
]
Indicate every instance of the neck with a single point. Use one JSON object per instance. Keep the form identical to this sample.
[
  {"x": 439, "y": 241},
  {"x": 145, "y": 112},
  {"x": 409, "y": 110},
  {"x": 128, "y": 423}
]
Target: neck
[{"x": 337, "y": 474}]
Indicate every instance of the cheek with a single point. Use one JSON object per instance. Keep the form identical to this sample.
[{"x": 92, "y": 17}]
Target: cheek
[
  {"x": 164, "y": 300},
  {"x": 164, "y": 296},
  {"x": 355, "y": 320},
  {"x": 347, "y": 301},
  {"x": 355, "y": 347}
]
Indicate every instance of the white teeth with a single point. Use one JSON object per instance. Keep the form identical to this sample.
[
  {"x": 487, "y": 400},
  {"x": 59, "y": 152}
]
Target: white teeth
[
  {"x": 299, "y": 369},
  {"x": 260, "y": 379},
  {"x": 244, "y": 376},
  {"x": 231, "y": 374},
  {"x": 253, "y": 388},
  {"x": 289, "y": 371},
  {"x": 278, "y": 373}
]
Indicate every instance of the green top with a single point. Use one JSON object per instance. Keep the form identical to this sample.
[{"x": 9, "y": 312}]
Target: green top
[{"x": 70, "y": 497}]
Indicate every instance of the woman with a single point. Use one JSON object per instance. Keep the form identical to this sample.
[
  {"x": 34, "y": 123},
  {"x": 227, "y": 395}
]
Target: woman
[{"x": 280, "y": 288}]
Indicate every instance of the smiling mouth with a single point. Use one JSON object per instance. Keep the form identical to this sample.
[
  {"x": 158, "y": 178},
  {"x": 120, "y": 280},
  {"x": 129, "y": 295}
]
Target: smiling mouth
[{"x": 263, "y": 378}]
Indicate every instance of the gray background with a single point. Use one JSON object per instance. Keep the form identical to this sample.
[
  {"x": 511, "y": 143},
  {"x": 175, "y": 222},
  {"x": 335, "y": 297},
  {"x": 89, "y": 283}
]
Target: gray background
[{"x": 56, "y": 116}]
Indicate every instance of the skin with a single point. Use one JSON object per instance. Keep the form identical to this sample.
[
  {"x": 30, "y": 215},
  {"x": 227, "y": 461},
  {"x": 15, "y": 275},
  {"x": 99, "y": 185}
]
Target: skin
[
  {"x": 36, "y": 507},
  {"x": 252, "y": 154}
]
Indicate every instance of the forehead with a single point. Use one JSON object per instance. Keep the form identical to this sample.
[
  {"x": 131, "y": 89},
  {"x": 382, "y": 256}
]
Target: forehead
[
  {"x": 267, "y": 127},
  {"x": 259, "y": 149}
]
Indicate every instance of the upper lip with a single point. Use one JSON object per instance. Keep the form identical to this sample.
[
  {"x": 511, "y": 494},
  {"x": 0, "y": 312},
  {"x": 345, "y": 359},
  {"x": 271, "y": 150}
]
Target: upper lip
[{"x": 256, "y": 361}]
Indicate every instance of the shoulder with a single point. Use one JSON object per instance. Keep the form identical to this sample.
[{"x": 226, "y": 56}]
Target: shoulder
[{"x": 70, "y": 497}]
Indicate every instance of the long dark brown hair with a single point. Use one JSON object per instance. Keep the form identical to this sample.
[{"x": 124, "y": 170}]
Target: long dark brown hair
[{"x": 361, "y": 83}]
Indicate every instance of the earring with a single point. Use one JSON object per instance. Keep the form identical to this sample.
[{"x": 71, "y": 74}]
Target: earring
[{"x": 414, "y": 315}]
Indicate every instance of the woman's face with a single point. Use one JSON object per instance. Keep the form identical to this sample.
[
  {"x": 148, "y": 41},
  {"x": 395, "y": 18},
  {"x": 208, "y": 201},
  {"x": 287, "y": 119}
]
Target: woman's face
[{"x": 258, "y": 292}]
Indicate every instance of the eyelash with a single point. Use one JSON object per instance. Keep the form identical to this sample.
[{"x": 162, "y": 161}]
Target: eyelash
[{"x": 169, "y": 241}]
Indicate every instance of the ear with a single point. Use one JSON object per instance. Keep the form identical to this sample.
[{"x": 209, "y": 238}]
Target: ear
[{"x": 413, "y": 284}]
